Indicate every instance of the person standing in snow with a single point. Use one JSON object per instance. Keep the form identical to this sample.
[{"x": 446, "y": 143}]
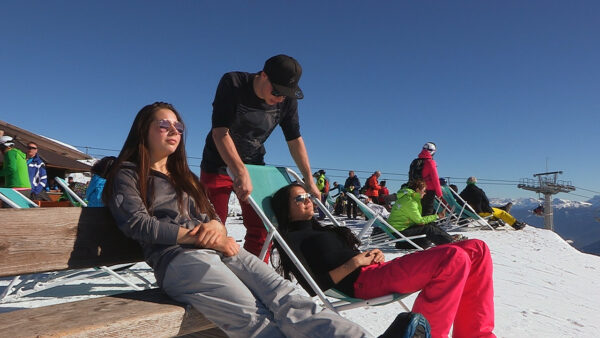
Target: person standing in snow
[
  {"x": 246, "y": 109},
  {"x": 323, "y": 186},
  {"x": 351, "y": 186},
  {"x": 373, "y": 187},
  {"x": 425, "y": 167},
  {"x": 478, "y": 200}
]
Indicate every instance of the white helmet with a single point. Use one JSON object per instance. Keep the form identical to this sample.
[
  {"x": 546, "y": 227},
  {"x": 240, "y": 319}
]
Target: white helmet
[
  {"x": 7, "y": 141},
  {"x": 430, "y": 146}
]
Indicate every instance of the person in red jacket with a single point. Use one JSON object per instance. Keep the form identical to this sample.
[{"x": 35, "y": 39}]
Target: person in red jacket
[
  {"x": 430, "y": 175},
  {"x": 385, "y": 198},
  {"x": 373, "y": 186}
]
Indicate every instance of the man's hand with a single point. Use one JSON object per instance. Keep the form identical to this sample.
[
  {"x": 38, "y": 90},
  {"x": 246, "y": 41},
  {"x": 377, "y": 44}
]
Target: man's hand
[
  {"x": 242, "y": 185},
  {"x": 311, "y": 187}
]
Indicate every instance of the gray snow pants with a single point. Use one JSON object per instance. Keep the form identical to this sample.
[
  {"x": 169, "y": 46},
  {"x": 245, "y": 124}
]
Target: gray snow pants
[{"x": 245, "y": 297}]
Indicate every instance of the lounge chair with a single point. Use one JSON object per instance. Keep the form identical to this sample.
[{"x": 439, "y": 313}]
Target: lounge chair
[
  {"x": 459, "y": 214},
  {"x": 389, "y": 236},
  {"x": 266, "y": 181},
  {"x": 73, "y": 197},
  {"x": 14, "y": 199},
  {"x": 18, "y": 201}
]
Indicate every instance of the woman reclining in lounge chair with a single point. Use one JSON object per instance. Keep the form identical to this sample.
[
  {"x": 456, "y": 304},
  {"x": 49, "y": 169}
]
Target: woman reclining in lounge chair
[
  {"x": 156, "y": 200},
  {"x": 455, "y": 279},
  {"x": 406, "y": 218}
]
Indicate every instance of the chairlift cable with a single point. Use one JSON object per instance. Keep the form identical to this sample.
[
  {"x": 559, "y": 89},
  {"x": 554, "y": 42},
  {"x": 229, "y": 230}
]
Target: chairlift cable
[{"x": 483, "y": 181}]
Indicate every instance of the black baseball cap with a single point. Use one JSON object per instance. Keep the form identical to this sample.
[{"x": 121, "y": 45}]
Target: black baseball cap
[{"x": 284, "y": 72}]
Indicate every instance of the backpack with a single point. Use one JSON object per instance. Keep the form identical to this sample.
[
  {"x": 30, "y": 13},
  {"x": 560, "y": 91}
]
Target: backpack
[
  {"x": 326, "y": 187},
  {"x": 408, "y": 324},
  {"x": 416, "y": 169}
]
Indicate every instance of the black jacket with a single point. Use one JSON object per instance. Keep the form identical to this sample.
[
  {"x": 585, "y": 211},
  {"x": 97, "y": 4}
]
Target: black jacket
[
  {"x": 320, "y": 252},
  {"x": 476, "y": 198}
]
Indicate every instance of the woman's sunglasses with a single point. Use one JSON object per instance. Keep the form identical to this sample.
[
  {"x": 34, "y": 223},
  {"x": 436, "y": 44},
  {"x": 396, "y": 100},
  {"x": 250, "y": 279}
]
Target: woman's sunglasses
[
  {"x": 165, "y": 125},
  {"x": 302, "y": 198}
]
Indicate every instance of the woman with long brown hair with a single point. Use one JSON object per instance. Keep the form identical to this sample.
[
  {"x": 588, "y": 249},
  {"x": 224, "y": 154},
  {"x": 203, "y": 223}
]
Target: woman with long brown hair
[
  {"x": 156, "y": 200},
  {"x": 454, "y": 280}
]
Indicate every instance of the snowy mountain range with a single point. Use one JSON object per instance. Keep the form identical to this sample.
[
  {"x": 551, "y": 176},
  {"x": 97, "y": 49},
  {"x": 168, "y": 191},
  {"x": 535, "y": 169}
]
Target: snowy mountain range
[{"x": 575, "y": 221}]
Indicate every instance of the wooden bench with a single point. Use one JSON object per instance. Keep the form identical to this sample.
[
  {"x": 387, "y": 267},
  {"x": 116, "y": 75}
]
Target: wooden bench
[{"x": 52, "y": 239}]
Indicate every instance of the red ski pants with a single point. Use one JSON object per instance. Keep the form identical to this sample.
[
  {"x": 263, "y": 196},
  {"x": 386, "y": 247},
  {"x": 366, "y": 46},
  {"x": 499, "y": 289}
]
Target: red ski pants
[
  {"x": 219, "y": 188},
  {"x": 455, "y": 282}
]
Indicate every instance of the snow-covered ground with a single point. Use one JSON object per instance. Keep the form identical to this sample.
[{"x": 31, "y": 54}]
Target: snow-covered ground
[{"x": 543, "y": 287}]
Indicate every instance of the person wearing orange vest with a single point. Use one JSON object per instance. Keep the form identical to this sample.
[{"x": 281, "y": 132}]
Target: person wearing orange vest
[{"x": 373, "y": 186}]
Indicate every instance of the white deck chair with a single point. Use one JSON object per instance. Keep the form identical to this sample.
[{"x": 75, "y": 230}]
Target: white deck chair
[
  {"x": 18, "y": 201},
  {"x": 266, "y": 181},
  {"x": 389, "y": 236}
]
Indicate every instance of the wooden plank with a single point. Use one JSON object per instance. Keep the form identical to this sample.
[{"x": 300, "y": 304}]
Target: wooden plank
[
  {"x": 136, "y": 314},
  {"x": 51, "y": 239}
]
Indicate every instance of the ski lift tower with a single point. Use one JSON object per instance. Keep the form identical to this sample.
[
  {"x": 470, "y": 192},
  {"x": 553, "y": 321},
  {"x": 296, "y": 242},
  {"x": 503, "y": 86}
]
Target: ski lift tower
[{"x": 547, "y": 184}]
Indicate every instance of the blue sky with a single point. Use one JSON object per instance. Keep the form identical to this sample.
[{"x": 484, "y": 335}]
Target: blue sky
[{"x": 502, "y": 87}]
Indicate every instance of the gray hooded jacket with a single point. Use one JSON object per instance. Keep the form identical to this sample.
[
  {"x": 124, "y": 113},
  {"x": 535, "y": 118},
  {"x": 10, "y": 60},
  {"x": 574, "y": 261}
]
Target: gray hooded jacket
[{"x": 156, "y": 230}]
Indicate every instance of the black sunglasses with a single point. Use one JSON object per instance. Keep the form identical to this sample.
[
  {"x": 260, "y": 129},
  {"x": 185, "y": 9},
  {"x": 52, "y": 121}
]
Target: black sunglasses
[
  {"x": 30, "y": 147},
  {"x": 165, "y": 125},
  {"x": 275, "y": 92}
]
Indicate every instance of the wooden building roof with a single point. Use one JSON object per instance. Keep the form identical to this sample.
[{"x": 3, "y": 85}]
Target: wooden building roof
[{"x": 53, "y": 153}]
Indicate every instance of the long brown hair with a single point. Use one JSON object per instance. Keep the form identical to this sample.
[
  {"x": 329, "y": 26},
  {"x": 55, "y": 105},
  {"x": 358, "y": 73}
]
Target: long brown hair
[{"x": 136, "y": 150}]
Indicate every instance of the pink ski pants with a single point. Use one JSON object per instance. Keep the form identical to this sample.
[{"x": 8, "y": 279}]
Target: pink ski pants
[{"x": 455, "y": 282}]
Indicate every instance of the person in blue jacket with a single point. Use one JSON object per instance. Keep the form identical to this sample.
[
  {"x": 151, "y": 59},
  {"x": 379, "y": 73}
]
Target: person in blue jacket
[
  {"x": 37, "y": 173},
  {"x": 100, "y": 169}
]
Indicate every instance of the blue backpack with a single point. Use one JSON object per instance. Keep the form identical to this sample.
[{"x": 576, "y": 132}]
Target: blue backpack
[{"x": 408, "y": 325}]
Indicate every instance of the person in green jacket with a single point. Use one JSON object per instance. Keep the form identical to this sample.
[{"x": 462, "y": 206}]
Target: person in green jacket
[
  {"x": 323, "y": 186},
  {"x": 14, "y": 168},
  {"x": 406, "y": 217}
]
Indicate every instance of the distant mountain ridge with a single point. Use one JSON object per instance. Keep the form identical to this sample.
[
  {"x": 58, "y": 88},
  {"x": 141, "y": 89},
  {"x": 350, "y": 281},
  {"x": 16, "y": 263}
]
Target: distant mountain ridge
[
  {"x": 557, "y": 203},
  {"x": 573, "y": 220}
]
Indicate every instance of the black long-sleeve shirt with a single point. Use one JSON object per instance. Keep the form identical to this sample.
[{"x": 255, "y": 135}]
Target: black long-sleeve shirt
[
  {"x": 323, "y": 251},
  {"x": 476, "y": 198}
]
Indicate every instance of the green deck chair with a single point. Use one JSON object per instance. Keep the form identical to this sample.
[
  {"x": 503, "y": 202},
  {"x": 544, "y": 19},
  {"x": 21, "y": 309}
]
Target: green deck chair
[
  {"x": 460, "y": 215},
  {"x": 73, "y": 197},
  {"x": 266, "y": 181},
  {"x": 14, "y": 199}
]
